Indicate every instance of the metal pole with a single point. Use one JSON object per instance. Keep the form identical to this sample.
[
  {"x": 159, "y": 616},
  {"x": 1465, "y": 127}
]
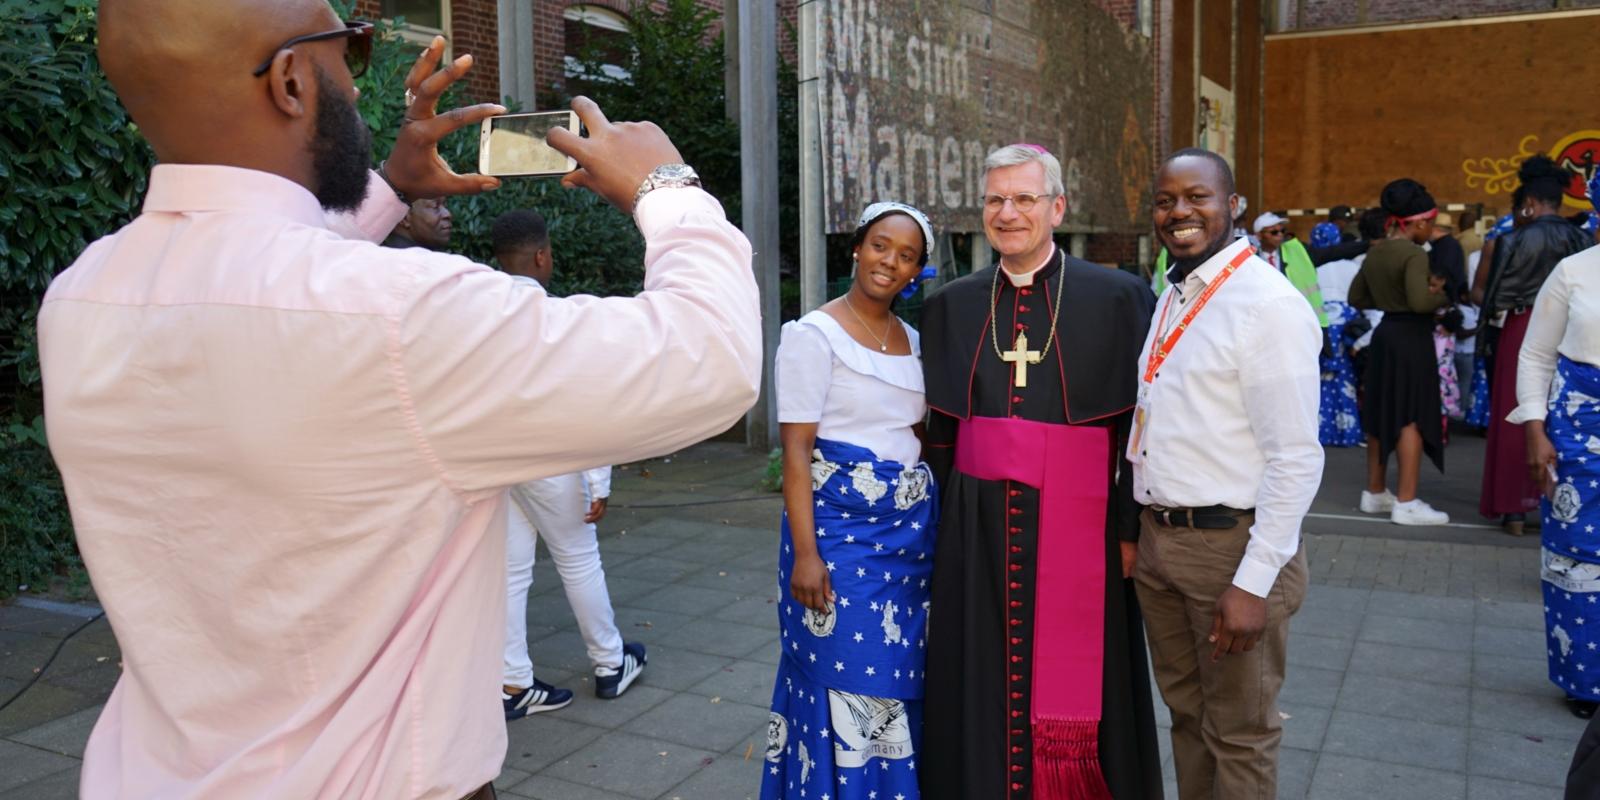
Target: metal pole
[
  {"x": 813, "y": 239},
  {"x": 516, "y": 52},
  {"x": 758, "y": 158}
]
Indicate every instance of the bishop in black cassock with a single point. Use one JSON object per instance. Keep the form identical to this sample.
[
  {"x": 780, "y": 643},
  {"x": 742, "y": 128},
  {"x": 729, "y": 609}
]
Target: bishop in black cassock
[{"x": 983, "y": 671}]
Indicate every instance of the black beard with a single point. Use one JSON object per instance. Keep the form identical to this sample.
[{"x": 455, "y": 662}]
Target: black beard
[
  {"x": 341, "y": 149},
  {"x": 1188, "y": 265}
]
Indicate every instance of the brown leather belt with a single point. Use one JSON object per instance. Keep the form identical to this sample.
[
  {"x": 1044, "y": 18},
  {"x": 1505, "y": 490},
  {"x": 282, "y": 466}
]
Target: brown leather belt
[{"x": 1206, "y": 518}]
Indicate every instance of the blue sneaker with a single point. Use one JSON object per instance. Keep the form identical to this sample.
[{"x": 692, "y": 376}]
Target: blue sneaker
[
  {"x": 539, "y": 697},
  {"x": 610, "y": 683}
]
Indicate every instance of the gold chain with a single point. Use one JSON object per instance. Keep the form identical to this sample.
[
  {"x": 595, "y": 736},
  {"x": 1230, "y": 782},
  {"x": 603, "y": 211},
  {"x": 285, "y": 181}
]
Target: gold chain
[
  {"x": 883, "y": 341},
  {"x": 994, "y": 310}
]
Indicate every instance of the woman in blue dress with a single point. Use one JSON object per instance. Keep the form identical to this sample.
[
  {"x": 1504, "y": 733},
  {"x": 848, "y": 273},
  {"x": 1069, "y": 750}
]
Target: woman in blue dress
[
  {"x": 856, "y": 552},
  {"x": 1558, "y": 404},
  {"x": 1339, "y": 417}
]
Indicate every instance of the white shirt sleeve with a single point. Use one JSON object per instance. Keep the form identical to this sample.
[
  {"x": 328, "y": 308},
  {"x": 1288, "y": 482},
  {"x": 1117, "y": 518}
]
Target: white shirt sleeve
[
  {"x": 598, "y": 482},
  {"x": 377, "y": 216},
  {"x": 502, "y": 383},
  {"x": 804, "y": 370},
  {"x": 1280, "y": 381},
  {"x": 1536, "y": 365}
]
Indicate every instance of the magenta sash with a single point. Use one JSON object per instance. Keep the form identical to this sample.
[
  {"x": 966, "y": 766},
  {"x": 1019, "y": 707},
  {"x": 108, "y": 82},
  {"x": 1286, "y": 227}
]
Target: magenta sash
[{"x": 1068, "y": 464}]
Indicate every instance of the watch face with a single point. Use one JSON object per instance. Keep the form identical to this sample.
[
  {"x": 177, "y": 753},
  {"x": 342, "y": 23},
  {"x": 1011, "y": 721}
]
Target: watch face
[{"x": 674, "y": 172}]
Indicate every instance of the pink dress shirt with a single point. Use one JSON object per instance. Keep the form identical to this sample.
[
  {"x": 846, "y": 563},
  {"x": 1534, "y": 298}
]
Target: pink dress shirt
[{"x": 286, "y": 453}]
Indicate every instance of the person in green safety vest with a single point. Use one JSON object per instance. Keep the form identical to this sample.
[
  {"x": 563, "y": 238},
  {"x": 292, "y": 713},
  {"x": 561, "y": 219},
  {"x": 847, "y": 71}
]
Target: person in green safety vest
[{"x": 1291, "y": 259}]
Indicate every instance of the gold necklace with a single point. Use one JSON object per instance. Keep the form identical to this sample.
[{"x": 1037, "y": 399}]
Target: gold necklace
[
  {"x": 883, "y": 341},
  {"x": 1020, "y": 355}
]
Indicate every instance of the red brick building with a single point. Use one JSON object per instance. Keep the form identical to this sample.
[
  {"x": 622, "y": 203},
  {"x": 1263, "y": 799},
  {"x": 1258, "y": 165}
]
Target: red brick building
[{"x": 559, "y": 29}]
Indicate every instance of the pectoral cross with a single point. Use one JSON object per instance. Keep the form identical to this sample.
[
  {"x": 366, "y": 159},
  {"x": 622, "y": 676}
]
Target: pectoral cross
[{"x": 1020, "y": 355}]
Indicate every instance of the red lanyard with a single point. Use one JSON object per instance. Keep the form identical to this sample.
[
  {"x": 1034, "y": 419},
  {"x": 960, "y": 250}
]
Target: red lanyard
[{"x": 1161, "y": 347}]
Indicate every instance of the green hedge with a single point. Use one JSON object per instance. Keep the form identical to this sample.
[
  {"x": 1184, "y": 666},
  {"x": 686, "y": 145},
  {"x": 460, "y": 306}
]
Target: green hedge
[{"x": 74, "y": 169}]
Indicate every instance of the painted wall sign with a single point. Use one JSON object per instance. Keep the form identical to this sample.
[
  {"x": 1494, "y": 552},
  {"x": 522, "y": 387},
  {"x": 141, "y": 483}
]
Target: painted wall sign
[
  {"x": 915, "y": 93},
  {"x": 1579, "y": 152}
]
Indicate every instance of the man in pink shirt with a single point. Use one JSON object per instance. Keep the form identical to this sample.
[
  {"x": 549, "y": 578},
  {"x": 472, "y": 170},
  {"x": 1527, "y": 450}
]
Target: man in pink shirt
[{"x": 287, "y": 449}]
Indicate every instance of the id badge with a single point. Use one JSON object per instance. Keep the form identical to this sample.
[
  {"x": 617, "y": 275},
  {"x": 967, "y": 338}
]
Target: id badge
[{"x": 1141, "y": 420}]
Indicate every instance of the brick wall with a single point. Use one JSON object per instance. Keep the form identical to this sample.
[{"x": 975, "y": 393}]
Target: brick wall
[
  {"x": 474, "y": 28},
  {"x": 1112, "y": 248},
  {"x": 1125, "y": 11},
  {"x": 1317, "y": 14}
]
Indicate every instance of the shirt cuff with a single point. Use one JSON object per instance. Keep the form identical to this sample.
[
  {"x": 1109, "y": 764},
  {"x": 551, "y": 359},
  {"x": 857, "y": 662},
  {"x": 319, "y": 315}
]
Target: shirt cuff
[
  {"x": 1527, "y": 412},
  {"x": 665, "y": 208},
  {"x": 1255, "y": 577}
]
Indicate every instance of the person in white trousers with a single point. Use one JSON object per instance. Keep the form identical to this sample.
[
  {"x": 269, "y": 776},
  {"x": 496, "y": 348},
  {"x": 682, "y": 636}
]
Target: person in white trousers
[{"x": 564, "y": 510}]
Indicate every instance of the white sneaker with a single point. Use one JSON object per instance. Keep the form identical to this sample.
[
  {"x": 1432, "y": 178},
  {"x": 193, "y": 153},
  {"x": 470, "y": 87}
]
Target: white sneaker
[
  {"x": 1377, "y": 503},
  {"x": 1417, "y": 512}
]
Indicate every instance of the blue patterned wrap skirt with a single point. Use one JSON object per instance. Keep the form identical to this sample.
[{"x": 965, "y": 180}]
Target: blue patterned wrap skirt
[
  {"x": 1571, "y": 557},
  {"x": 846, "y": 716}
]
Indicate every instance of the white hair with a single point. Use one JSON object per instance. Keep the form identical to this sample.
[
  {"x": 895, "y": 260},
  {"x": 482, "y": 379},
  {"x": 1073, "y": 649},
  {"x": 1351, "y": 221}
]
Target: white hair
[{"x": 1013, "y": 155}]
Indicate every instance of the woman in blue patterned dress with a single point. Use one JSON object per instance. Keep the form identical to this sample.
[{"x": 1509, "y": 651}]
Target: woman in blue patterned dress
[
  {"x": 1477, "y": 415},
  {"x": 1339, "y": 417},
  {"x": 1558, "y": 404},
  {"x": 856, "y": 552}
]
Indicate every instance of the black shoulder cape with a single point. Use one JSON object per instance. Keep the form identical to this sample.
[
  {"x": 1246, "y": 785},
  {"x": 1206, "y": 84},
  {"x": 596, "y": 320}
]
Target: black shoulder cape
[{"x": 1102, "y": 324}]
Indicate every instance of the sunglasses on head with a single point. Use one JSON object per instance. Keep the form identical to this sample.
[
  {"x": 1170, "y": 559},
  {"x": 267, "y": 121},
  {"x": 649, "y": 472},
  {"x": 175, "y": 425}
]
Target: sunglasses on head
[{"x": 357, "y": 52}]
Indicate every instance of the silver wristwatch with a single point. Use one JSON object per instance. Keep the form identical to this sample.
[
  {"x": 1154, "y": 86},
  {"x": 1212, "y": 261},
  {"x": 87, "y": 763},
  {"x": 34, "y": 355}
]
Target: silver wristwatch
[{"x": 667, "y": 176}]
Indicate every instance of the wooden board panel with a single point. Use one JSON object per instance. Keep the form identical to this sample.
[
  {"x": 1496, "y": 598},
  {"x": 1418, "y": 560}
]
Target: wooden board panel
[{"x": 1453, "y": 105}]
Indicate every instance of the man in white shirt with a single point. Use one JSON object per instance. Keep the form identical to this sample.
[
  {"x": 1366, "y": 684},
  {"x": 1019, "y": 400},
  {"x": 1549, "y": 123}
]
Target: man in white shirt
[
  {"x": 1226, "y": 460},
  {"x": 564, "y": 509},
  {"x": 287, "y": 448}
]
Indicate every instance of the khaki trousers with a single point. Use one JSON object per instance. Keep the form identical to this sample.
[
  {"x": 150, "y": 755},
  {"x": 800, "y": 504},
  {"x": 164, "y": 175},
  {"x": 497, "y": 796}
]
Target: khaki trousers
[{"x": 1225, "y": 724}]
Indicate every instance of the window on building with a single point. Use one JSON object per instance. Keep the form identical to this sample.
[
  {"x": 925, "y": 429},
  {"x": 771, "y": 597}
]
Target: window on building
[
  {"x": 602, "y": 32},
  {"x": 424, "y": 18}
]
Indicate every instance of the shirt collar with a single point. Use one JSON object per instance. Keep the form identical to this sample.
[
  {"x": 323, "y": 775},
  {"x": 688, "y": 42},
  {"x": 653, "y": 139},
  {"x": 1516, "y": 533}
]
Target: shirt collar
[
  {"x": 1206, "y": 272},
  {"x": 1026, "y": 278},
  {"x": 181, "y": 188}
]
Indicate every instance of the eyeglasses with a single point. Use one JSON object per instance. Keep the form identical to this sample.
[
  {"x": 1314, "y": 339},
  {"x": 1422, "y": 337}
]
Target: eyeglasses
[
  {"x": 1022, "y": 201},
  {"x": 357, "y": 54}
]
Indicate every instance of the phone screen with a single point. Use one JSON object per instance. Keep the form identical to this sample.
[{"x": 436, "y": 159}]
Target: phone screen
[{"x": 515, "y": 144}]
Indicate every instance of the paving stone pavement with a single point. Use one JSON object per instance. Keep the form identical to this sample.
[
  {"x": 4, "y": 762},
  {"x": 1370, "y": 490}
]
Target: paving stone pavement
[{"x": 1416, "y": 665}]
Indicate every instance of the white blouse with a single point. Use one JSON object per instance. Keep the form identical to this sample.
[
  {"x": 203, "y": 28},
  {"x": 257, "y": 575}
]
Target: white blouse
[
  {"x": 1565, "y": 320},
  {"x": 855, "y": 394}
]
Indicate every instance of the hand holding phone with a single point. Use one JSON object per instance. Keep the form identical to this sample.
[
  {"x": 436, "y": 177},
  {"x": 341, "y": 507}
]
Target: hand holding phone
[{"x": 616, "y": 157}]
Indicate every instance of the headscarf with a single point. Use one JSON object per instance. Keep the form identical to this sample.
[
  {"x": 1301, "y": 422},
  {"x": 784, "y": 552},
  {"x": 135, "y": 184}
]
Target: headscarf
[
  {"x": 1325, "y": 234},
  {"x": 878, "y": 211},
  {"x": 1501, "y": 227}
]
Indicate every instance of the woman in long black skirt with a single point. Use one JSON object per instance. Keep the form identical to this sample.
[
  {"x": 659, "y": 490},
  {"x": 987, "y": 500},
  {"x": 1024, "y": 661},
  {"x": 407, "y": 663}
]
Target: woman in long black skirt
[{"x": 1401, "y": 412}]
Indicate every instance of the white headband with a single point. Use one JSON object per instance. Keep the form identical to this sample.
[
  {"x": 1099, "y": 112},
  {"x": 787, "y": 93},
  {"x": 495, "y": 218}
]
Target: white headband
[{"x": 876, "y": 210}]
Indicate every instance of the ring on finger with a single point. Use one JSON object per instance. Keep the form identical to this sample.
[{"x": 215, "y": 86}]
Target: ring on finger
[{"x": 411, "y": 97}]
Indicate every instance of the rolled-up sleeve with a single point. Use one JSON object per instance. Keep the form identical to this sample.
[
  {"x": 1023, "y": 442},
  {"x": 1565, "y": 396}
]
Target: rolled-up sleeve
[
  {"x": 1280, "y": 383},
  {"x": 1536, "y": 364},
  {"x": 597, "y": 482},
  {"x": 502, "y": 383}
]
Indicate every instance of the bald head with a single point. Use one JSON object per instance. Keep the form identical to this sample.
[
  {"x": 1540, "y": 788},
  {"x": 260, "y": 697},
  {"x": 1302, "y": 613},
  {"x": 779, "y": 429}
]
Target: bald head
[{"x": 183, "y": 70}]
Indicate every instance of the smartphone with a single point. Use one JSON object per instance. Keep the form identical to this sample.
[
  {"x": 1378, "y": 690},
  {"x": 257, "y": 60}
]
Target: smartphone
[{"x": 515, "y": 144}]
